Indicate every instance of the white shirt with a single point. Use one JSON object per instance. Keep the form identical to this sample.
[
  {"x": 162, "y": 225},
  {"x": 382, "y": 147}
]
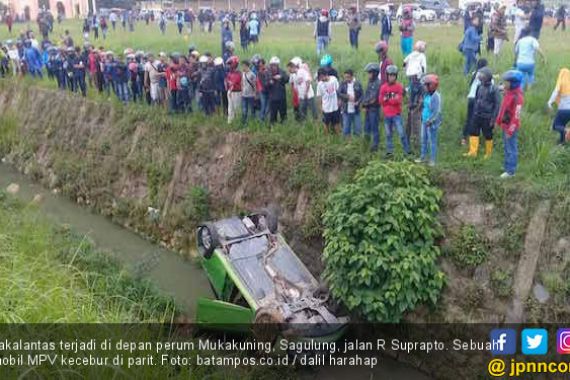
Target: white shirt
[
  {"x": 520, "y": 19},
  {"x": 300, "y": 80},
  {"x": 416, "y": 64},
  {"x": 327, "y": 91},
  {"x": 350, "y": 93}
]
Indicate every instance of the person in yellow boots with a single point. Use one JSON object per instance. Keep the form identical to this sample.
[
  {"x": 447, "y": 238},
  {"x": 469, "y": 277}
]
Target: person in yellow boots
[{"x": 485, "y": 110}]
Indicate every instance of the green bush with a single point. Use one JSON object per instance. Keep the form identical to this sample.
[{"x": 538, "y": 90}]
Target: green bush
[
  {"x": 196, "y": 205},
  {"x": 469, "y": 248},
  {"x": 380, "y": 230}
]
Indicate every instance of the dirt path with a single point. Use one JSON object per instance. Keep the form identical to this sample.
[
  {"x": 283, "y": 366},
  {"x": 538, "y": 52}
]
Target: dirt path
[{"x": 527, "y": 263}]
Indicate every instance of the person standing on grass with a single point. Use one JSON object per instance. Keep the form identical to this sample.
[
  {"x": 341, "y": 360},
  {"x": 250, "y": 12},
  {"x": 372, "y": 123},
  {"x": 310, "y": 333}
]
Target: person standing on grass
[
  {"x": 180, "y": 21},
  {"x": 121, "y": 79},
  {"x": 327, "y": 88},
  {"x": 104, "y": 27},
  {"x": 509, "y": 119},
  {"x": 113, "y": 18},
  {"x": 391, "y": 99},
  {"x": 227, "y": 36},
  {"x": 385, "y": 26},
  {"x": 33, "y": 59},
  {"x": 276, "y": 87},
  {"x": 253, "y": 27},
  {"x": 561, "y": 96},
  {"x": 521, "y": 19},
  {"x": 431, "y": 119},
  {"x": 354, "y": 26},
  {"x": 561, "y": 17},
  {"x": 262, "y": 88},
  {"x": 407, "y": 28},
  {"x": 371, "y": 105},
  {"x": 384, "y": 61},
  {"x": 219, "y": 78},
  {"x": 300, "y": 78},
  {"x": 470, "y": 45},
  {"x": 525, "y": 51},
  {"x": 244, "y": 33},
  {"x": 536, "y": 18},
  {"x": 498, "y": 28},
  {"x": 248, "y": 82},
  {"x": 233, "y": 87},
  {"x": 9, "y": 22},
  {"x": 473, "y": 85},
  {"x": 485, "y": 109},
  {"x": 162, "y": 22},
  {"x": 350, "y": 93},
  {"x": 323, "y": 32}
]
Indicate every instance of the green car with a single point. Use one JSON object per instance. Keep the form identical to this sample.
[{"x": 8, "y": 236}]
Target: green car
[{"x": 259, "y": 280}]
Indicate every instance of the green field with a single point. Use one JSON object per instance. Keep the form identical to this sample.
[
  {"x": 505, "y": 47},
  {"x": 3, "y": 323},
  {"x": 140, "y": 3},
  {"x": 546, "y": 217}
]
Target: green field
[{"x": 541, "y": 161}]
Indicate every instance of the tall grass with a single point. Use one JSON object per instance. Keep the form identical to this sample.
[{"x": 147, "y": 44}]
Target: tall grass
[{"x": 50, "y": 275}]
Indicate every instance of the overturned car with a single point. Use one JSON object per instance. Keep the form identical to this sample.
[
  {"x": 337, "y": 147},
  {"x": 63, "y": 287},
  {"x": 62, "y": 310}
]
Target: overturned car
[{"x": 257, "y": 278}]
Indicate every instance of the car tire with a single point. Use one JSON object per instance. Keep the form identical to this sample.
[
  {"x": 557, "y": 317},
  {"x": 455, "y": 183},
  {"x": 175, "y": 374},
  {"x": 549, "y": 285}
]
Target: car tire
[
  {"x": 271, "y": 219},
  {"x": 267, "y": 324},
  {"x": 207, "y": 240}
]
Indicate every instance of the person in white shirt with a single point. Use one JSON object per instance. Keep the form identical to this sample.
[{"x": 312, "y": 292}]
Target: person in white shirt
[
  {"x": 301, "y": 80},
  {"x": 327, "y": 88},
  {"x": 416, "y": 62},
  {"x": 520, "y": 22}
]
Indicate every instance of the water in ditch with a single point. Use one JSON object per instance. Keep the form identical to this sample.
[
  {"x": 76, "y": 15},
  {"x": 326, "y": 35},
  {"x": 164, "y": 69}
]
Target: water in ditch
[{"x": 172, "y": 274}]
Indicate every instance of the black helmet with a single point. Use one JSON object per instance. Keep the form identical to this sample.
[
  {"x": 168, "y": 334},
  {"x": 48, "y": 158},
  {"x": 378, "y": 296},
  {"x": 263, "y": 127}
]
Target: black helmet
[
  {"x": 485, "y": 74},
  {"x": 392, "y": 70},
  {"x": 372, "y": 66}
]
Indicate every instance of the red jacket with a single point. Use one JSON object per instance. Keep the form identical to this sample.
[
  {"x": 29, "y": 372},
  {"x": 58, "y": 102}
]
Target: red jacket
[
  {"x": 391, "y": 98},
  {"x": 384, "y": 63},
  {"x": 171, "y": 76},
  {"x": 509, "y": 118},
  {"x": 233, "y": 81}
]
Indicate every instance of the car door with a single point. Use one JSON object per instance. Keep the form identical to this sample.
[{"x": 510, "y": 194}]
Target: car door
[{"x": 216, "y": 314}]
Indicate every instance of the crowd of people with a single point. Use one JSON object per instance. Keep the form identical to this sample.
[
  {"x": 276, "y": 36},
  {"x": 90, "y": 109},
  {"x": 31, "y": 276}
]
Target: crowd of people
[{"x": 256, "y": 88}]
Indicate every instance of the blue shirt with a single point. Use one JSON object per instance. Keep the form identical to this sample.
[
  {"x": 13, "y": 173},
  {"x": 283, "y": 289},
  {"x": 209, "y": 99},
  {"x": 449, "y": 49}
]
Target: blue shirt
[
  {"x": 471, "y": 39},
  {"x": 526, "y": 49},
  {"x": 431, "y": 111}
]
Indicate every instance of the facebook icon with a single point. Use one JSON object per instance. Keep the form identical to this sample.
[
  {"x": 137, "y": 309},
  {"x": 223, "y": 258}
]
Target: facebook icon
[{"x": 503, "y": 342}]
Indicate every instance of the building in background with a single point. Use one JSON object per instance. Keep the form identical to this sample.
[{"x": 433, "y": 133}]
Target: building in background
[{"x": 29, "y": 9}]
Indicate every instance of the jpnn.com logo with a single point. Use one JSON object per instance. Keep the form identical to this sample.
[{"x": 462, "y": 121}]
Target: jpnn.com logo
[
  {"x": 534, "y": 341},
  {"x": 504, "y": 342}
]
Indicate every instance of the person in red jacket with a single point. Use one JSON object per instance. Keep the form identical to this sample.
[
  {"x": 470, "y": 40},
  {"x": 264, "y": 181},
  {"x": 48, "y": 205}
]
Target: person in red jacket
[
  {"x": 391, "y": 99},
  {"x": 171, "y": 79},
  {"x": 233, "y": 87},
  {"x": 509, "y": 119},
  {"x": 384, "y": 61}
]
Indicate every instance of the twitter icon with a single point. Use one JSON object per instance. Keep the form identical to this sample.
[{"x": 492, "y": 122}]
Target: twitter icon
[{"x": 534, "y": 341}]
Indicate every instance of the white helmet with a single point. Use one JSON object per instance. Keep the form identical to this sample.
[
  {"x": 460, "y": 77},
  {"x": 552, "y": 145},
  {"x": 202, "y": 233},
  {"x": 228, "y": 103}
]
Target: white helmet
[
  {"x": 230, "y": 45},
  {"x": 218, "y": 61},
  {"x": 420, "y": 46},
  {"x": 274, "y": 61},
  {"x": 297, "y": 61},
  {"x": 203, "y": 59}
]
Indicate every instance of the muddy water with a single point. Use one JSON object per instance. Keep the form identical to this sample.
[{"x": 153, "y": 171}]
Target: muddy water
[
  {"x": 168, "y": 271},
  {"x": 173, "y": 275}
]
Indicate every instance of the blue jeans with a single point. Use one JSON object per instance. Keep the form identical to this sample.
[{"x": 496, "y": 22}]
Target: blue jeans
[
  {"x": 322, "y": 43},
  {"x": 122, "y": 89},
  {"x": 406, "y": 44},
  {"x": 389, "y": 124},
  {"x": 470, "y": 60},
  {"x": 246, "y": 106},
  {"x": 351, "y": 123},
  {"x": 560, "y": 121},
  {"x": 511, "y": 152},
  {"x": 371, "y": 122},
  {"x": 353, "y": 37},
  {"x": 305, "y": 105},
  {"x": 528, "y": 73},
  {"x": 429, "y": 135},
  {"x": 264, "y": 106}
]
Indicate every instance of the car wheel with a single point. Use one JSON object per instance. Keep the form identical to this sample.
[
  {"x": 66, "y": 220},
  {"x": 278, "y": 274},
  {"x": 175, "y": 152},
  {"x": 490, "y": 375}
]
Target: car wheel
[
  {"x": 267, "y": 324},
  {"x": 207, "y": 240},
  {"x": 271, "y": 219}
]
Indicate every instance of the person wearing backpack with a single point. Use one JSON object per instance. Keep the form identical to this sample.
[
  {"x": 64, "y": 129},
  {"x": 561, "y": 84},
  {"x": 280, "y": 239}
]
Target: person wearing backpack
[{"x": 485, "y": 109}]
